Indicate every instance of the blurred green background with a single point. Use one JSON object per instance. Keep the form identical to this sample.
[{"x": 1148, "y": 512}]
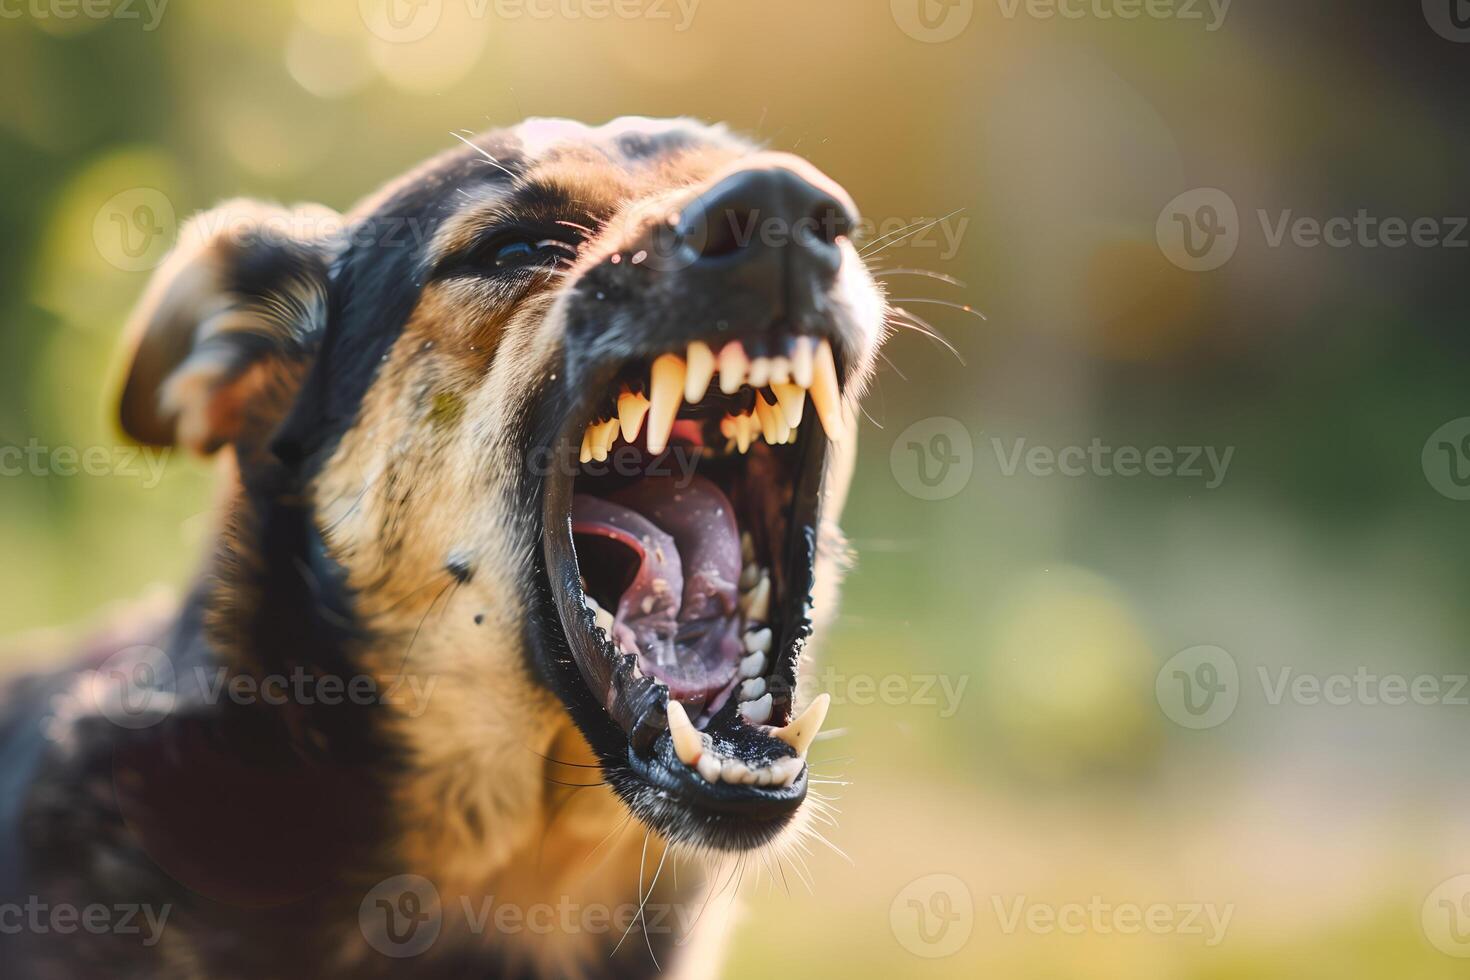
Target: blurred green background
[{"x": 1062, "y": 770}]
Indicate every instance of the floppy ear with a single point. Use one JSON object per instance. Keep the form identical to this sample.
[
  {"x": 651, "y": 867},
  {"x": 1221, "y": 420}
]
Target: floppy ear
[{"x": 228, "y": 325}]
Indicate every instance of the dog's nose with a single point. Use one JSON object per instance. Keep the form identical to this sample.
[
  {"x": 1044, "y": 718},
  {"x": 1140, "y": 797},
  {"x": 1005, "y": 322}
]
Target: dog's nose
[{"x": 781, "y": 215}]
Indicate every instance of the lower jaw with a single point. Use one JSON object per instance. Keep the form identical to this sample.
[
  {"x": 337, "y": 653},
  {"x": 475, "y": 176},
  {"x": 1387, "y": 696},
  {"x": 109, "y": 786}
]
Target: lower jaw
[{"x": 636, "y": 704}]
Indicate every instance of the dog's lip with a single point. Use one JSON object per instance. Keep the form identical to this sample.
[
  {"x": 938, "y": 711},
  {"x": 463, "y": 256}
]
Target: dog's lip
[{"x": 637, "y": 703}]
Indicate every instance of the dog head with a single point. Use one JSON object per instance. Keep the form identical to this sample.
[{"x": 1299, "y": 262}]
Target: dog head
[{"x": 566, "y": 415}]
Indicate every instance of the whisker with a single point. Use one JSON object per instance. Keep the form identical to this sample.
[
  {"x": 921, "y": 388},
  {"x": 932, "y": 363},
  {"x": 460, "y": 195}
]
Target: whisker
[
  {"x": 912, "y": 321},
  {"x": 916, "y": 231},
  {"x": 893, "y": 367},
  {"x": 962, "y": 307},
  {"x": 928, "y": 273},
  {"x": 869, "y": 246},
  {"x": 484, "y": 153}
]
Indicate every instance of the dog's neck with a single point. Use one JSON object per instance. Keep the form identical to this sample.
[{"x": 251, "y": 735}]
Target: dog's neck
[{"x": 527, "y": 828}]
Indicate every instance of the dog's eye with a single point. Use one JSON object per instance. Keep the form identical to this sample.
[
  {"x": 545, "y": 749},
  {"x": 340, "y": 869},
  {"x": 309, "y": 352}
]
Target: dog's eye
[{"x": 521, "y": 253}]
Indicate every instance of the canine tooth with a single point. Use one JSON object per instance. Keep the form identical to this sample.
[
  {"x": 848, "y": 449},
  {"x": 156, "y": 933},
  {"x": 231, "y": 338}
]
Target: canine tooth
[
  {"x": 792, "y": 399},
  {"x": 701, "y": 369},
  {"x": 825, "y": 396},
  {"x": 758, "y": 640},
  {"x": 757, "y": 602},
  {"x": 765, "y": 414},
  {"x": 757, "y": 712},
  {"x": 733, "y": 363},
  {"x": 760, "y": 372},
  {"x": 665, "y": 389},
  {"x": 801, "y": 361},
  {"x": 688, "y": 746},
  {"x": 780, "y": 370},
  {"x": 799, "y": 733},
  {"x": 734, "y": 771},
  {"x": 752, "y": 689},
  {"x": 753, "y": 665},
  {"x": 709, "y": 767},
  {"x": 632, "y": 407},
  {"x": 586, "y": 454}
]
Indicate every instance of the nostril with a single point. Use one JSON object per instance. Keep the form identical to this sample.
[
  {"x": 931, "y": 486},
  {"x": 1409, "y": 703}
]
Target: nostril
[
  {"x": 721, "y": 232},
  {"x": 830, "y": 221}
]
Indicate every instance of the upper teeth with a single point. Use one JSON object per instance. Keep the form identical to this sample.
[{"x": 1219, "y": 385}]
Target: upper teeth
[{"x": 675, "y": 380}]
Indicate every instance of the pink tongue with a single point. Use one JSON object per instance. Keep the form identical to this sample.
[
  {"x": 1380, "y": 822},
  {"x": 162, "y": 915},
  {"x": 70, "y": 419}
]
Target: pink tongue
[{"x": 680, "y": 608}]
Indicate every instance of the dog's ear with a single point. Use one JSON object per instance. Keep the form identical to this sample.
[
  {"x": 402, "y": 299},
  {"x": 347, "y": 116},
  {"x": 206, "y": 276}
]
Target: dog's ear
[{"x": 228, "y": 325}]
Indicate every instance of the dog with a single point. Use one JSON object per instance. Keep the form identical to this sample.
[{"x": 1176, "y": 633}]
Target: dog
[{"x": 530, "y": 468}]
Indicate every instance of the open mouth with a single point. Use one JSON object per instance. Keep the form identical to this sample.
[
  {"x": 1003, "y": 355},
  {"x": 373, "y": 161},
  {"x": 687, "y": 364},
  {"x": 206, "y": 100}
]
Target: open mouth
[{"x": 681, "y": 556}]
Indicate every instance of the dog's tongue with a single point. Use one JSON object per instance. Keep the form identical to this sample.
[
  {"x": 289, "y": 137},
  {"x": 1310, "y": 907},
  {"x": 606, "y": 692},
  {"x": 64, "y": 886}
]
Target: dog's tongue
[{"x": 679, "y": 610}]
